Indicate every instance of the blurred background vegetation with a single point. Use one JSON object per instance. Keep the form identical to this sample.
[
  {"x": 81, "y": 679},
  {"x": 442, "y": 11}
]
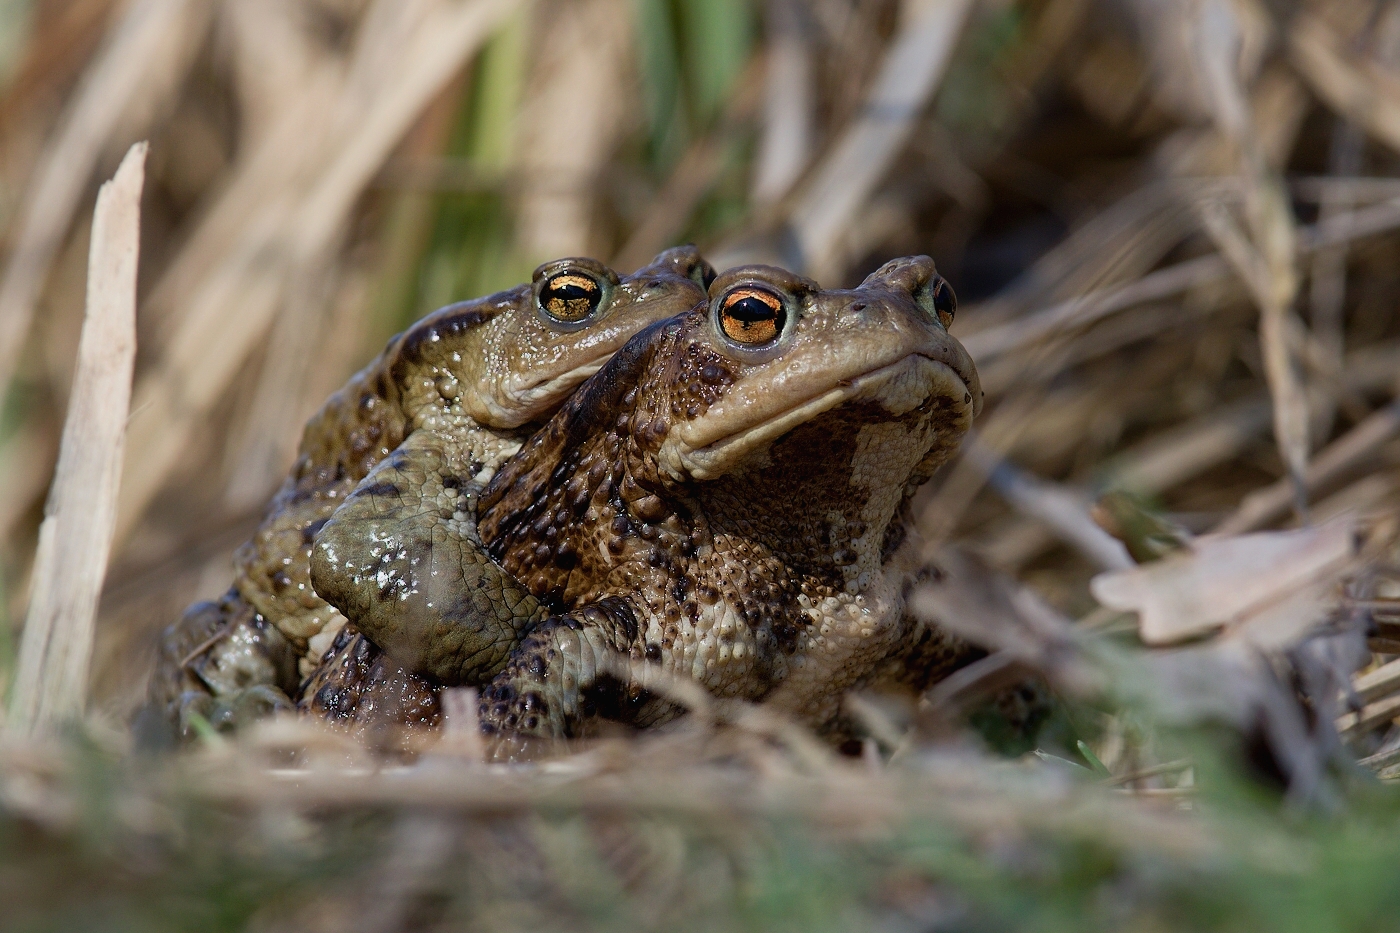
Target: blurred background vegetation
[{"x": 1174, "y": 227}]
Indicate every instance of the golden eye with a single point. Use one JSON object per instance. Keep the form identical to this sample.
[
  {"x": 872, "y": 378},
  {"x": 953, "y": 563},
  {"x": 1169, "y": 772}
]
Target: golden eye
[
  {"x": 945, "y": 303},
  {"x": 570, "y": 297},
  {"x": 752, "y": 316}
]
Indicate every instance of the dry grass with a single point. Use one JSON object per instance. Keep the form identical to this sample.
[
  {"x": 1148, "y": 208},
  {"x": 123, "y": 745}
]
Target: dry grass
[
  {"x": 76, "y": 535},
  {"x": 1174, "y": 228}
]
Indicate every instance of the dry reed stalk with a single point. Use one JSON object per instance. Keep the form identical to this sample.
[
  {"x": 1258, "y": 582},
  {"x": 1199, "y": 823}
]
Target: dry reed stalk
[
  {"x": 54, "y": 51},
  {"x": 578, "y": 62},
  {"x": 1173, "y": 456},
  {"x": 857, "y": 162},
  {"x": 1358, "y": 190},
  {"x": 273, "y": 48},
  {"x": 1206, "y": 53},
  {"x": 1116, "y": 246},
  {"x": 1063, "y": 510},
  {"x": 1377, "y": 683},
  {"x": 282, "y": 219},
  {"x": 1363, "y": 90},
  {"x": 277, "y": 47},
  {"x": 134, "y": 76},
  {"x": 1058, "y": 319},
  {"x": 785, "y": 147},
  {"x": 1027, "y": 331},
  {"x": 1370, "y": 716},
  {"x": 1264, "y": 505},
  {"x": 691, "y": 179},
  {"x": 1328, "y": 272},
  {"x": 265, "y": 443},
  {"x": 1263, "y": 253},
  {"x": 76, "y": 536}
]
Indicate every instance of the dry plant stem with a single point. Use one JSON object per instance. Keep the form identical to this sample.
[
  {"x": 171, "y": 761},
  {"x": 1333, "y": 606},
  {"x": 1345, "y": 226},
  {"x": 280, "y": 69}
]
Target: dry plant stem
[
  {"x": 785, "y": 146},
  {"x": 1062, "y": 317},
  {"x": 1187, "y": 450},
  {"x": 1178, "y": 454},
  {"x": 1117, "y": 246},
  {"x": 1374, "y": 714},
  {"x": 1003, "y": 339},
  {"x": 266, "y": 444},
  {"x": 76, "y": 536},
  {"x": 1357, "y": 190},
  {"x": 979, "y": 679},
  {"x": 576, "y": 65},
  {"x": 276, "y": 48},
  {"x": 1264, "y": 253},
  {"x": 1168, "y": 767},
  {"x": 1182, "y": 452},
  {"x": 941, "y": 511},
  {"x": 691, "y": 179},
  {"x": 1267, "y": 504},
  {"x": 1272, "y": 282},
  {"x": 141, "y": 65},
  {"x": 843, "y": 182},
  {"x": 1378, "y": 683},
  {"x": 1381, "y": 759},
  {"x": 1357, "y": 87},
  {"x": 1063, "y": 510},
  {"x": 279, "y": 220},
  {"x": 461, "y": 727},
  {"x": 1328, "y": 277}
]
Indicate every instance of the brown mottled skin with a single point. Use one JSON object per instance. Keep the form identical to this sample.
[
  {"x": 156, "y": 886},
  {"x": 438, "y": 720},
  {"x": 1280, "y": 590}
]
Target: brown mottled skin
[
  {"x": 726, "y": 501},
  {"x": 398, "y": 454}
]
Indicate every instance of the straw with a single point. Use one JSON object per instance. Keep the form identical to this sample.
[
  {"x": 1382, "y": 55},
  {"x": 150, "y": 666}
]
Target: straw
[{"x": 76, "y": 536}]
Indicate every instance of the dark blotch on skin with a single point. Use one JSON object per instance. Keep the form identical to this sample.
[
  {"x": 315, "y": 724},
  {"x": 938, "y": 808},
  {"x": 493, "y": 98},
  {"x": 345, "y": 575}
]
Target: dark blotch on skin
[
  {"x": 379, "y": 489},
  {"x": 590, "y": 486},
  {"x": 356, "y": 684},
  {"x": 308, "y": 534},
  {"x": 450, "y": 321}
]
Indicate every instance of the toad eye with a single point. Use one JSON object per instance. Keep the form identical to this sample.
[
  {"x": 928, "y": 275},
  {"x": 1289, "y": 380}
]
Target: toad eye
[
  {"x": 569, "y": 297},
  {"x": 752, "y": 316},
  {"x": 944, "y": 300}
]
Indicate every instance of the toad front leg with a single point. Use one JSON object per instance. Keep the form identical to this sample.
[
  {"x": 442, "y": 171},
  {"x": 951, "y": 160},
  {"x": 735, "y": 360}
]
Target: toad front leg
[
  {"x": 567, "y": 671},
  {"x": 402, "y": 560}
]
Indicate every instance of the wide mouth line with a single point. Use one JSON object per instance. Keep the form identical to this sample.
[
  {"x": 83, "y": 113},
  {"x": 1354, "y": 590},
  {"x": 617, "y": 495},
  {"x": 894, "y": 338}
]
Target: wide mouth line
[
  {"x": 841, "y": 390},
  {"x": 576, "y": 375}
]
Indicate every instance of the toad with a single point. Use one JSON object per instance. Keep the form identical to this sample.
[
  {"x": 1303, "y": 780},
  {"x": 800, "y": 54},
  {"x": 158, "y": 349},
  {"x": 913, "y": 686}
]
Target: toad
[
  {"x": 386, "y": 480},
  {"x": 727, "y": 501}
]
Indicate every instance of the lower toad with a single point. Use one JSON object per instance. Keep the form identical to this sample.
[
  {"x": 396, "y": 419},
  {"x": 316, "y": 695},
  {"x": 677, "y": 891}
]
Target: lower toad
[{"x": 726, "y": 501}]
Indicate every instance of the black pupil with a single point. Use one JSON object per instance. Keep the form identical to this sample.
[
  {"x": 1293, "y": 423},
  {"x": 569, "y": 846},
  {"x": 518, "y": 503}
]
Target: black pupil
[
  {"x": 570, "y": 300},
  {"x": 570, "y": 292},
  {"x": 944, "y": 301},
  {"x": 749, "y": 310}
]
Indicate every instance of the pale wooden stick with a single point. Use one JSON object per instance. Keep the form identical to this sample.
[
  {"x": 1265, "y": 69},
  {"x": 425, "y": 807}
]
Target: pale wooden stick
[{"x": 76, "y": 535}]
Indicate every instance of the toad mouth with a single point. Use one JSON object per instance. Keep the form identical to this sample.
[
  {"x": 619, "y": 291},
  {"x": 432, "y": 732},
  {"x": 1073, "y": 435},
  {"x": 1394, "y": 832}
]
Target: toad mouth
[
  {"x": 556, "y": 386},
  {"x": 892, "y": 384}
]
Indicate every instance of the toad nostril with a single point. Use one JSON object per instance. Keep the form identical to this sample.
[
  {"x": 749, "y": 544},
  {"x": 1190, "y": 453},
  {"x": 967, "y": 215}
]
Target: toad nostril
[{"x": 858, "y": 307}]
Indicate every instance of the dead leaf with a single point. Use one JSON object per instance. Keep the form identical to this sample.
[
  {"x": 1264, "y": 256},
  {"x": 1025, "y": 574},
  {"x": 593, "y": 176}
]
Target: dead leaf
[{"x": 1270, "y": 584}]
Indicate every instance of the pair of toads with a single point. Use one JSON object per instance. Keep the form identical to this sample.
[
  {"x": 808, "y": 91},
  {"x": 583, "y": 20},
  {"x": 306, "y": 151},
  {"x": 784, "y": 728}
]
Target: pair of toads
[{"x": 563, "y": 492}]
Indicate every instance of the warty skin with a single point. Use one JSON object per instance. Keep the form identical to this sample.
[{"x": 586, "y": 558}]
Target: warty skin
[
  {"x": 726, "y": 499},
  {"x": 442, "y": 406}
]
